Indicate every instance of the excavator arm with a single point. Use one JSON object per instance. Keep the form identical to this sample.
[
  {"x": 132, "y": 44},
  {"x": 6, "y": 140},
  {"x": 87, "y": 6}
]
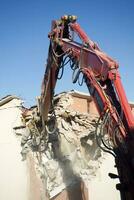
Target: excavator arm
[{"x": 115, "y": 128}]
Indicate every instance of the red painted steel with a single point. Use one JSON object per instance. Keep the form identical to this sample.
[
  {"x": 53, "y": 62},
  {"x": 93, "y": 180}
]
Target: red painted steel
[
  {"x": 104, "y": 83},
  {"x": 124, "y": 102}
]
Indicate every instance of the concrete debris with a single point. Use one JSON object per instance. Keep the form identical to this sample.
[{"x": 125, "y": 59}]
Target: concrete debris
[{"x": 68, "y": 153}]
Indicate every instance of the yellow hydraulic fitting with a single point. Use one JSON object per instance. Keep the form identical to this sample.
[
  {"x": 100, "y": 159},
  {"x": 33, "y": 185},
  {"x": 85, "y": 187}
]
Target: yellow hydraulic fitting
[
  {"x": 69, "y": 18},
  {"x": 74, "y": 17},
  {"x": 65, "y": 17}
]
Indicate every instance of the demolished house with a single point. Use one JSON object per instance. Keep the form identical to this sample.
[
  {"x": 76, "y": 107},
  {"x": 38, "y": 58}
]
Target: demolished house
[
  {"x": 67, "y": 158},
  {"x": 60, "y": 161}
]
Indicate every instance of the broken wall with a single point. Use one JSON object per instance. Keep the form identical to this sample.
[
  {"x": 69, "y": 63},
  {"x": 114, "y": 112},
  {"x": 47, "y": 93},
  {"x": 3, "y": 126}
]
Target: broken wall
[{"x": 66, "y": 155}]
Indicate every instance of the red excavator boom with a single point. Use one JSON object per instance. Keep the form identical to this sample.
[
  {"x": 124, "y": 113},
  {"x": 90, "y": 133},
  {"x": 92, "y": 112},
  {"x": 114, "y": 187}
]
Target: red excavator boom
[{"x": 101, "y": 75}]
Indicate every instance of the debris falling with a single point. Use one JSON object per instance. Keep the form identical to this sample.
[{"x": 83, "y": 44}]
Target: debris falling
[{"x": 65, "y": 151}]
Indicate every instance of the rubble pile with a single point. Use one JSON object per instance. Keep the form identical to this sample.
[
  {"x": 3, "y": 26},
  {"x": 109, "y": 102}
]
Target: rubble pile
[{"x": 65, "y": 151}]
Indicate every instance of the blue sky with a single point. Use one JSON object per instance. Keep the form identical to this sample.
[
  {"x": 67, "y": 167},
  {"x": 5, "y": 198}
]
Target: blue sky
[{"x": 24, "y": 26}]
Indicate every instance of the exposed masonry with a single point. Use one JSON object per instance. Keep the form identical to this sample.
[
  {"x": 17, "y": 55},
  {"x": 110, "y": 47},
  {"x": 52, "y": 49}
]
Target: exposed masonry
[{"x": 67, "y": 154}]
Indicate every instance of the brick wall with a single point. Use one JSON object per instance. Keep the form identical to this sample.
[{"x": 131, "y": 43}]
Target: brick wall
[{"x": 84, "y": 103}]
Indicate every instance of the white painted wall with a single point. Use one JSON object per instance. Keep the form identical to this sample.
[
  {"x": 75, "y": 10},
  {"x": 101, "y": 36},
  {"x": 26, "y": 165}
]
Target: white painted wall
[
  {"x": 102, "y": 187},
  {"x": 13, "y": 172}
]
